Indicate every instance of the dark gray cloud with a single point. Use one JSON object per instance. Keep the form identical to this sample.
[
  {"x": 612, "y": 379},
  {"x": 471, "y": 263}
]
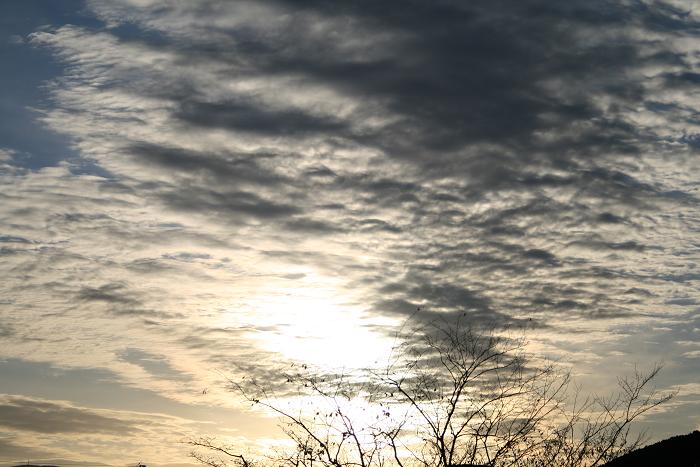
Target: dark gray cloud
[
  {"x": 6, "y": 330},
  {"x": 13, "y": 239},
  {"x": 156, "y": 365},
  {"x": 249, "y": 117},
  {"x": 13, "y": 451},
  {"x": 458, "y": 75},
  {"x": 121, "y": 299},
  {"x": 227, "y": 168},
  {"x": 108, "y": 293},
  {"x": 19, "y": 413},
  {"x": 227, "y": 203}
]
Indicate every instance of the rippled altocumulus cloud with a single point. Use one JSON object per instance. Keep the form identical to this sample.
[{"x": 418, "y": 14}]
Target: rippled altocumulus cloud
[{"x": 515, "y": 162}]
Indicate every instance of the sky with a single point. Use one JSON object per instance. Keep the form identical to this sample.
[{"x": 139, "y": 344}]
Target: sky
[{"x": 194, "y": 190}]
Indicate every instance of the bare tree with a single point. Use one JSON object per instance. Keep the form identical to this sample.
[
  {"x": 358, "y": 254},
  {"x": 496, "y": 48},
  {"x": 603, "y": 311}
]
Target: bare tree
[
  {"x": 598, "y": 429},
  {"x": 474, "y": 399},
  {"x": 215, "y": 454},
  {"x": 448, "y": 396}
]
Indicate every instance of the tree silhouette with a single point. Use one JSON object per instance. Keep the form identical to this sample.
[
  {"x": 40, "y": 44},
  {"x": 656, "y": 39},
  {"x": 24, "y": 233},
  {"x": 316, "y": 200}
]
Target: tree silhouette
[{"x": 448, "y": 396}]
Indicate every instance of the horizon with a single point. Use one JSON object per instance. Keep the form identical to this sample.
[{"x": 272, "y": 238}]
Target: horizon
[{"x": 193, "y": 192}]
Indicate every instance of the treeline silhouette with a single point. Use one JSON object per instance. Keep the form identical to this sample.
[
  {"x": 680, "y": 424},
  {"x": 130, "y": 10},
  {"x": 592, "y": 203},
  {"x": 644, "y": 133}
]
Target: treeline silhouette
[{"x": 449, "y": 395}]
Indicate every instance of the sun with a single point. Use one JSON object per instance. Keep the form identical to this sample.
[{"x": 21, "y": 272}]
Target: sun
[{"x": 320, "y": 324}]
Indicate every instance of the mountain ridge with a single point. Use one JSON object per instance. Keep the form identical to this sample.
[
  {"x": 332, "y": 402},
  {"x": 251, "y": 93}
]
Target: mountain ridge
[{"x": 678, "y": 451}]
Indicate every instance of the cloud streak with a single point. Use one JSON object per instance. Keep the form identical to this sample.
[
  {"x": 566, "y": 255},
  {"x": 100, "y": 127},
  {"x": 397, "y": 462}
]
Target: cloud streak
[{"x": 19, "y": 413}]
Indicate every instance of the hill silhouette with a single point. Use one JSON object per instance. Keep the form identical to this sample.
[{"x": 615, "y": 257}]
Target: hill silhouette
[{"x": 678, "y": 451}]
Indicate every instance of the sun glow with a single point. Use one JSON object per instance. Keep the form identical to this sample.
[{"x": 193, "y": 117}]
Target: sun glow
[{"x": 319, "y": 324}]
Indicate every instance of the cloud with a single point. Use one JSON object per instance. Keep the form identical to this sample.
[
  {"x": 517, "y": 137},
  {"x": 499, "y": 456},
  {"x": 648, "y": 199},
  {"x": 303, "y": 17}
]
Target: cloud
[
  {"x": 19, "y": 413},
  {"x": 6, "y": 154},
  {"x": 462, "y": 147},
  {"x": 243, "y": 117},
  {"x": 11, "y": 450},
  {"x": 55, "y": 430},
  {"x": 535, "y": 140},
  {"x": 155, "y": 364},
  {"x": 5, "y": 330},
  {"x": 109, "y": 293},
  {"x": 269, "y": 163}
]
